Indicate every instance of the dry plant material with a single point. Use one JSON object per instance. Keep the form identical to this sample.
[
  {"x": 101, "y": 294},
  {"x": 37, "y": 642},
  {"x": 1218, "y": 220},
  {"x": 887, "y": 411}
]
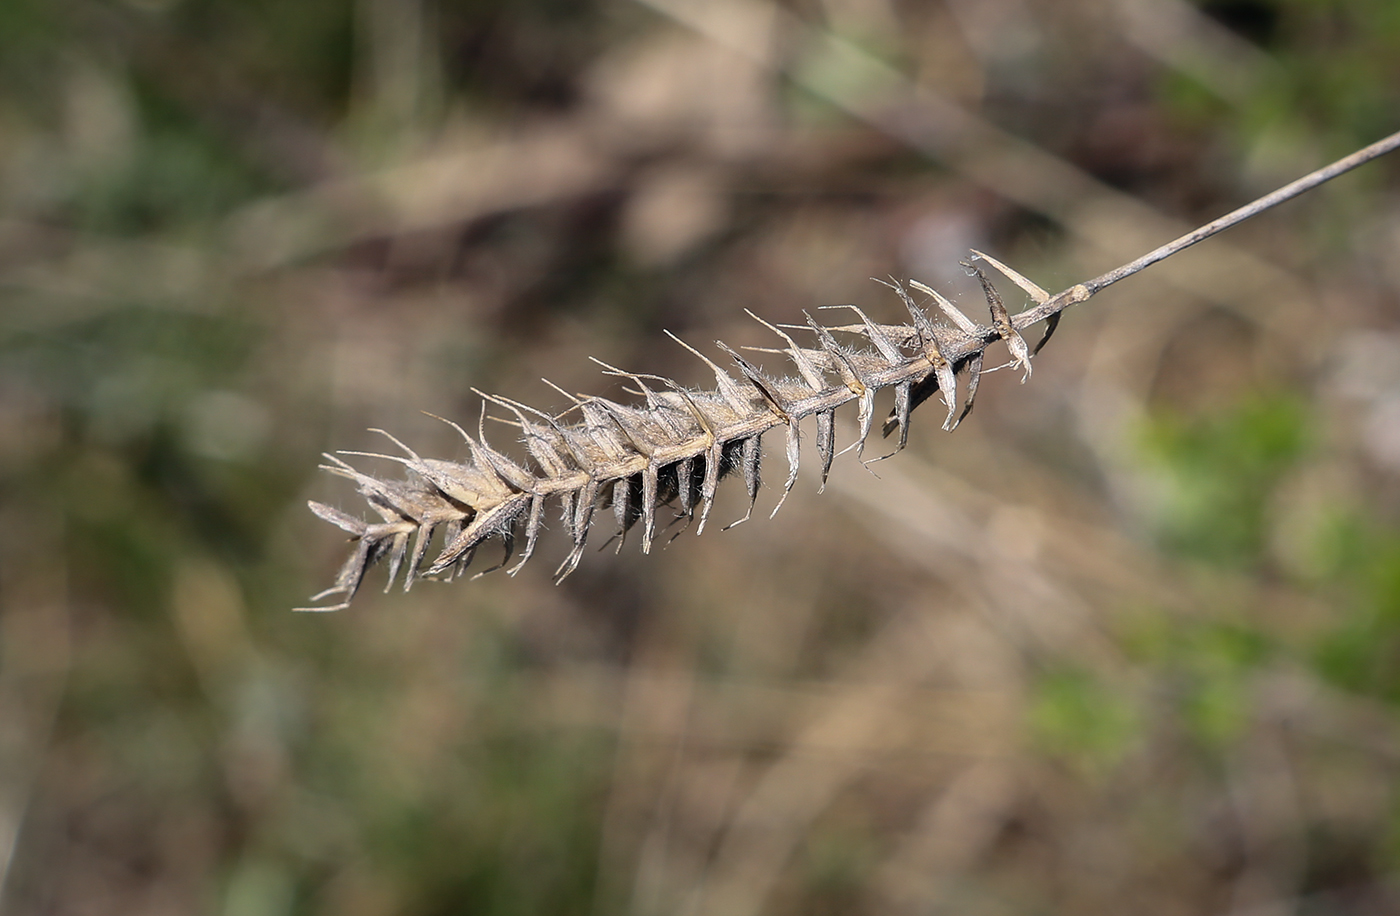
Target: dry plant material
[{"x": 670, "y": 451}]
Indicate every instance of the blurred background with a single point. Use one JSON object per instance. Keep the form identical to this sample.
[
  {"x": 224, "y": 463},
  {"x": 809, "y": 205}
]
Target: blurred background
[{"x": 1129, "y": 641}]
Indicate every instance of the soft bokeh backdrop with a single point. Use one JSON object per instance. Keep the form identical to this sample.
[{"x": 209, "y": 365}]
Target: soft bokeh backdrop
[{"x": 1128, "y": 641}]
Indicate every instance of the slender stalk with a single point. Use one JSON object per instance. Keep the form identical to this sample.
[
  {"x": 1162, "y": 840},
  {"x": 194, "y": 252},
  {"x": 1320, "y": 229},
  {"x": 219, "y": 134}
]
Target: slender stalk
[{"x": 1082, "y": 291}]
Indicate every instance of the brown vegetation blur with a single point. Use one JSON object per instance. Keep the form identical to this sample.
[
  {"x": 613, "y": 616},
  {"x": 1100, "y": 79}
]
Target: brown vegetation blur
[{"x": 1128, "y": 641}]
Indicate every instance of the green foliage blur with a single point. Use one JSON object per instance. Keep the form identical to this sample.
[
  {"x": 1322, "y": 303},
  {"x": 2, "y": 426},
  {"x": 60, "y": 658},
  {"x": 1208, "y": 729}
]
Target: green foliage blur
[{"x": 1220, "y": 476}]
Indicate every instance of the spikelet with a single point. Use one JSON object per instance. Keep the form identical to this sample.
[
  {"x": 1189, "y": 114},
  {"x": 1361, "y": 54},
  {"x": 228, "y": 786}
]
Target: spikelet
[{"x": 670, "y": 451}]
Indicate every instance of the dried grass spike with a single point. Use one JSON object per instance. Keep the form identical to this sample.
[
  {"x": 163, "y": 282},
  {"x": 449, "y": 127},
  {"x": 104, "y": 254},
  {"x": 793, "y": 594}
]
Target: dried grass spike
[{"x": 675, "y": 448}]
